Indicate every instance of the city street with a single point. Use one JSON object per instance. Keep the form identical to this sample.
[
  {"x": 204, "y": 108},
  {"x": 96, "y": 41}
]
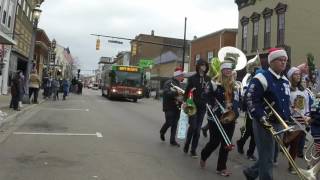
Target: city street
[{"x": 89, "y": 137}]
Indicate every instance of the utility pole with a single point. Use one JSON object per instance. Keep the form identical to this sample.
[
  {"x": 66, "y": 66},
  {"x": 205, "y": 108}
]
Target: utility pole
[{"x": 184, "y": 43}]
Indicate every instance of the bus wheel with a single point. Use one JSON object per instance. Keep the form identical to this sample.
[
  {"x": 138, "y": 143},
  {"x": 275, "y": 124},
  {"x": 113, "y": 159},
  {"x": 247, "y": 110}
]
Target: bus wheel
[{"x": 135, "y": 99}]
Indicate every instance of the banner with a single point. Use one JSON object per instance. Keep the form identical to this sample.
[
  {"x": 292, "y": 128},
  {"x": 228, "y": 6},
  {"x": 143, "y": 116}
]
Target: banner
[{"x": 182, "y": 125}]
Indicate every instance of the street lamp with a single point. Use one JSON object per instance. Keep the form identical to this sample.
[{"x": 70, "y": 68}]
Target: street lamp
[{"x": 36, "y": 12}]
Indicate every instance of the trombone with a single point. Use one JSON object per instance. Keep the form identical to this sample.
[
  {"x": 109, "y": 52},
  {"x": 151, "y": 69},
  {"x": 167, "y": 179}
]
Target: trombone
[
  {"x": 310, "y": 174},
  {"x": 229, "y": 146}
]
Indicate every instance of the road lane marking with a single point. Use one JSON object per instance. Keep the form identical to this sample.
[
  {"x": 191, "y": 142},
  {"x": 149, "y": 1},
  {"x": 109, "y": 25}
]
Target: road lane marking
[
  {"x": 98, "y": 134},
  {"x": 66, "y": 109}
]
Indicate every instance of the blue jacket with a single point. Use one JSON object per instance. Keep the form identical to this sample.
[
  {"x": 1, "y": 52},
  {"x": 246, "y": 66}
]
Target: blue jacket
[
  {"x": 275, "y": 89},
  {"x": 217, "y": 92}
]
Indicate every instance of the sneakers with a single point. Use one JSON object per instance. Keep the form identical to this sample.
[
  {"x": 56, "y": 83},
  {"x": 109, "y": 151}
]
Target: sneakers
[
  {"x": 204, "y": 132},
  {"x": 239, "y": 148},
  {"x": 252, "y": 158},
  {"x": 275, "y": 163},
  {"x": 246, "y": 174},
  {"x": 175, "y": 144},
  {"x": 162, "y": 137},
  {"x": 292, "y": 171},
  {"x": 193, "y": 154},
  {"x": 202, "y": 164},
  {"x": 185, "y": 149},
  {"x": 224, "y": 173}
]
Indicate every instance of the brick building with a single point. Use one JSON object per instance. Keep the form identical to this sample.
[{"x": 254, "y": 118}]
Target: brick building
[
  {"x": 207, "y": 47},
  {"x": 165, "y": 58}
]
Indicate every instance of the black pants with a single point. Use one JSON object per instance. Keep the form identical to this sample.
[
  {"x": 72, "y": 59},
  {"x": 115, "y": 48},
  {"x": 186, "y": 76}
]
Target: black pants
[
  {"x": 172, "y": 118},
  {"x": 215, "y": 140},
  {"x": 34, "y": 91},
  {"x": 248, "y": 133},
  {"x": 14, "y": 103},
  {"x": 193, "y": 134}
]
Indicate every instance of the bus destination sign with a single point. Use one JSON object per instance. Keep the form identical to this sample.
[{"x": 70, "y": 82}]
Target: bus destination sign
[{"x": 128, "y": 69}]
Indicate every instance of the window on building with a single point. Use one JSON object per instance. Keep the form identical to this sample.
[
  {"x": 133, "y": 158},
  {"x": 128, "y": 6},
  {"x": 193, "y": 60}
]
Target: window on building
[
  {"x": 28, "y": 11},
  {"x": 5, "y": 12},
  {"x": 281, "y": 29},
  {"x": 244, "y": 40},
  {"x": 267, "y": 13},
  {"x": 19, "y": 2},
  {"x": 255, "y": 18},
  {"x": 210, "y": 56},
  {"x": 4, "y": 17},
  {"x": 24, "y": 6},
  {"x": 10, "y": 13},
  {"x": 281, "y": 10}
]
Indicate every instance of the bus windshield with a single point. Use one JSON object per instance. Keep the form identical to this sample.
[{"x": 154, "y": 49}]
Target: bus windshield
[{"x": 128, "y": 79}]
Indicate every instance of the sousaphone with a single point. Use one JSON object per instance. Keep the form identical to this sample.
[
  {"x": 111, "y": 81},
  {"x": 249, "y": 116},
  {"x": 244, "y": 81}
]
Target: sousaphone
[{"x": 239, "y": 60}]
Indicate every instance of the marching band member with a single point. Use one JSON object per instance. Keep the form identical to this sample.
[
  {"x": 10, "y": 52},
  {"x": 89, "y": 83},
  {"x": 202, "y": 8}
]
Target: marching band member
[
  {"x": 226, "y": 93},
  {"x": 172, "y": 100},
  {"x": 300, "y": 101},
  {"x": 198, "y": 81},
  {"x": 274, "y": 87},
  {"x": 252, "y": 66}
]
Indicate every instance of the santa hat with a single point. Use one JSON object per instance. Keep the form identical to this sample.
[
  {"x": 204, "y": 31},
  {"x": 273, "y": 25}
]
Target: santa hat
[
  {"x": 291, "y": 71},
  {"x": 275, "y": 53},
  {"x": 178, "y": 71}
]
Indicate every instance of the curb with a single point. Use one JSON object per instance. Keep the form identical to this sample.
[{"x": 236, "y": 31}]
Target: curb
[{"x": 18, "y": 113}]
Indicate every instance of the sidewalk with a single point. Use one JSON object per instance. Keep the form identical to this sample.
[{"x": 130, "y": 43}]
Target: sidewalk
[{"x": 7, "y": 114}]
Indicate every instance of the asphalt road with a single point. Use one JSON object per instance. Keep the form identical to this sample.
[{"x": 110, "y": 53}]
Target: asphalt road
[{"x": 91, "y": 138}]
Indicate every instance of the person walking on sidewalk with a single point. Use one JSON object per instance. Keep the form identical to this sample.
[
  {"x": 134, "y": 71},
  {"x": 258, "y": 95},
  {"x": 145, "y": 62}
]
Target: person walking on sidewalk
[
  {"x": 199, "y": 81},
  {"x": 172, "y": 100},
  {"x": 22, "y": 90},
  {"x": 65, "y": 86},
  {"x": 55, "y": 89},
  {"x": 15, "y": 92},
  {"x": 34, "y": 85}
]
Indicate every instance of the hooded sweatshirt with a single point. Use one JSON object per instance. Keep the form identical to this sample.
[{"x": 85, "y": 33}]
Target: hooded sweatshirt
[{"x": 200, "y": 83}]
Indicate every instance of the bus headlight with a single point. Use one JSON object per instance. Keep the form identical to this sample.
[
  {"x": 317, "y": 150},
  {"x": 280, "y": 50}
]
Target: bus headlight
[
  {"x": 113, "y": 90},
  {"x": 139, "y": 92}
]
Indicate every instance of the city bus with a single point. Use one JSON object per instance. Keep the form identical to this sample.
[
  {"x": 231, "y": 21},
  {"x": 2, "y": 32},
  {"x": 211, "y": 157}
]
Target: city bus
[{"x": 119, "y": 81}]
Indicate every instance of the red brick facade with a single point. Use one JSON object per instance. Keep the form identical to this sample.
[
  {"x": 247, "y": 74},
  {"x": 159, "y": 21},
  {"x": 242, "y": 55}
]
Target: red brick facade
[{"x": 211, "y": 43}]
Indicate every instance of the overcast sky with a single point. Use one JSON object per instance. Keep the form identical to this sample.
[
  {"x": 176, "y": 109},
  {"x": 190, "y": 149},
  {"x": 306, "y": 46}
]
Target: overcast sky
[{"x": 71, "y": 22}]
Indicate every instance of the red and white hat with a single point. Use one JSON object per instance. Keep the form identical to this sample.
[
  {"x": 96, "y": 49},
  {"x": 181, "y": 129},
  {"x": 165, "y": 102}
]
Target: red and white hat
[
  {"x": 292, "y": 71},
  {"x": 177, "y": 72},
  {"x": 275, "y": 53}
]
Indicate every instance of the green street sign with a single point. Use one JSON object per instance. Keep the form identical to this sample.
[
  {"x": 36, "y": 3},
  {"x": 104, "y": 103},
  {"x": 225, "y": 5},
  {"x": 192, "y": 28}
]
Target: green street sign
[{"x": 145, "y": 63}]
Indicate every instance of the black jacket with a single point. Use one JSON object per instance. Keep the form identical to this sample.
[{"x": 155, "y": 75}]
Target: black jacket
[
  {"x": 169, "y": 96},
  {"x": 200, "y": 83}
]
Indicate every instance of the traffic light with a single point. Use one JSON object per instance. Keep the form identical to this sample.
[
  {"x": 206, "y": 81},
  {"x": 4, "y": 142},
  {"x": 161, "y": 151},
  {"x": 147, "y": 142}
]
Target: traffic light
[{"x": 98, "y": 44}]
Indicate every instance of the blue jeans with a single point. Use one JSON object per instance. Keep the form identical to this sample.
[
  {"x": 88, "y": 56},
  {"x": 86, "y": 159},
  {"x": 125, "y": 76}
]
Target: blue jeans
[
  {"x": 263, "y": 167},
  {"x": 193, "y": 134}
]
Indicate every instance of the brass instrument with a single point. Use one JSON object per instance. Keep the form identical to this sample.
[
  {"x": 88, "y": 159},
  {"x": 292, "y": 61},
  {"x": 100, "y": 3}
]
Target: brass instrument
[
  {"x": 228, "y": 115},
  {"x": 190, "y": 108},
  {"x": 229, "y": 146},
  {"x": 177, "y": 88},
  {"x": 310, "y": 174}
]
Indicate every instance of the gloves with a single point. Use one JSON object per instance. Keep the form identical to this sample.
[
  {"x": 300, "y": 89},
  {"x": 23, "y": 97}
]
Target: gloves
[{"x": 264, "y": 123}]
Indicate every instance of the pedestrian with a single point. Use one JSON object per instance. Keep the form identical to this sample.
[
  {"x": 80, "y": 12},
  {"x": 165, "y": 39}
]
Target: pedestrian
[
  {"x": 172, "y": 100},
  {"x": 22, "y": 90},
  {"x": 224, "y": 93},
  {"x": 34, "y": 85},
  {"x": 15, "y": 92},
  {"x": 246, "y": 131},
  {"x": 65, "y": 87},
  {"x": 273, "y": 86},
  {"x": 55, "y": 89},
  {"x": 300, "y": 109},
  {"x": 199, "y": 81}
]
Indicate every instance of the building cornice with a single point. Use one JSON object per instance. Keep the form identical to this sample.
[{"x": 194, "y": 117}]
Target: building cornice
[
  {"x": 281, "y": 8},
  {"x": 267, "y": 12}
]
